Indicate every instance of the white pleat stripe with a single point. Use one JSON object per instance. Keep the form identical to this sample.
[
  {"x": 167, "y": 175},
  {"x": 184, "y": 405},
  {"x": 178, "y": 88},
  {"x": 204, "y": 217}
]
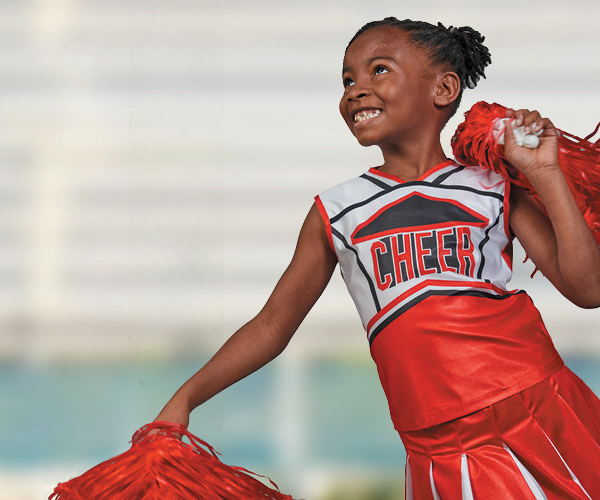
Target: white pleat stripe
[
  {"x": 410, "y": 494},
  {"x": 436, "y": 495},
  {"x": 467, "y": 491},
  {"x": 563, "y": 461},
  {"x": 534, "y": 486},
  {"x": 465, "y": 480}
]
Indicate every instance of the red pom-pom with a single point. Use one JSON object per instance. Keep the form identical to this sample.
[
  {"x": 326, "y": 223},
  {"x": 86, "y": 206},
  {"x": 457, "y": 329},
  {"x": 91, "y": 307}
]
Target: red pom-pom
[
  {"x": 474, "y": 144},
  {"x": 162, "y": 467}
]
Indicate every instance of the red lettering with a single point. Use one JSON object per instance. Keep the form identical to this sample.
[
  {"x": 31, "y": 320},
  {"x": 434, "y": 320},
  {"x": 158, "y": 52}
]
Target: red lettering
[
  {"x": 405, "y": 256},
  {"x": 383, "y": 283},
  {"x": 443, "y": 251},
  {"x": 423, "y": 252},
  {"x": 464, "y": 249}
]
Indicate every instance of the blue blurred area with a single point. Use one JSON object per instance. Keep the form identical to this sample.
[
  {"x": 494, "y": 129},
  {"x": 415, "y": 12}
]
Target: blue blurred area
[{"x": 87, "y": 413}]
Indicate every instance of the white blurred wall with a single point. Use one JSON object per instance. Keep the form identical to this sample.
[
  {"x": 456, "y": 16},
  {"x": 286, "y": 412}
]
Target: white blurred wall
[{"x": 158, "y": 157}]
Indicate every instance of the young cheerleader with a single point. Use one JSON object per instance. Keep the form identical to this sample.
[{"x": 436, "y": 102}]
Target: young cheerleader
[{"x": 479, "y": 395}]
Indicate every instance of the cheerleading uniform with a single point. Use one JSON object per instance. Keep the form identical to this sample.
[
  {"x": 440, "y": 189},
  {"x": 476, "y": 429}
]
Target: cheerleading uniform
[{"x": 475, "y": 387}]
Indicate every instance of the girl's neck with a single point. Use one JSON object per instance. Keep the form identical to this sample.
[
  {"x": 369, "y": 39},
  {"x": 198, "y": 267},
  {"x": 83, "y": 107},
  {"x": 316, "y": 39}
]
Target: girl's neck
[{"x": 410, "y": 163}]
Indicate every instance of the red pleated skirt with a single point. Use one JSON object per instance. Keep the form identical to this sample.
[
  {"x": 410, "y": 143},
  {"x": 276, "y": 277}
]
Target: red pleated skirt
[{"x": 543, "y": 443}]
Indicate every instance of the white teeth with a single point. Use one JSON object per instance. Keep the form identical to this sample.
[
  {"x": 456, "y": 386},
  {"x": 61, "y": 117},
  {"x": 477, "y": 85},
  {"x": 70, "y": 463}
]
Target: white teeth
[{"x": 366, "y": 115}]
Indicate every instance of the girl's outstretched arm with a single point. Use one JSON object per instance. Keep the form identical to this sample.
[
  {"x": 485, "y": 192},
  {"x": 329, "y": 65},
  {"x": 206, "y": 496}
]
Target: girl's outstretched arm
[
  {"x": 560, "y": 244},
  {"x": 264, "y": 337}
]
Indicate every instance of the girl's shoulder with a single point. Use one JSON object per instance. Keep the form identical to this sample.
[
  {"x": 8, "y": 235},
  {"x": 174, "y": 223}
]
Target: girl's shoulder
[
  {"x": 351, "y": 191},
  {"x": 475, "y": 178}
]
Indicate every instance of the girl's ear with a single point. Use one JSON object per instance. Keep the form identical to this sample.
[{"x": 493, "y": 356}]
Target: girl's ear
[{"x": 447, "y": 89}]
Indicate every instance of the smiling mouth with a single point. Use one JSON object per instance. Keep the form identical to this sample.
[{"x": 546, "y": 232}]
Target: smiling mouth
[{"x": 367, "y": 114}]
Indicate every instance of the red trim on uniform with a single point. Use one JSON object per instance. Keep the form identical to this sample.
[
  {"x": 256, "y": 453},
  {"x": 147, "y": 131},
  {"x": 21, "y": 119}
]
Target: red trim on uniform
[
  {"x": 385, "y": 175},
  {"x": 484, "y": 221},
  {"x": 325, "y": 218},
  {"x": 426, "y": 174},
  {"x": 416, "y": 229},
  {"x": 507, "y": 251},
  {"x": 507, "y": 254},
  {"x": 426, "y": 283},
  {"x": 506, "y": 205}
]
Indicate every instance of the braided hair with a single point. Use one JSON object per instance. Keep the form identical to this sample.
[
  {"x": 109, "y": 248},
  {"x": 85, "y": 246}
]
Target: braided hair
[{"x": 459, "y": 49}]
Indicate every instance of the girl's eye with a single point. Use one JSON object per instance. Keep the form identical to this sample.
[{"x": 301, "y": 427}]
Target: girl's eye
[
  {"x": 348, "y": 82},
  {"x": 380, "y": 69}
]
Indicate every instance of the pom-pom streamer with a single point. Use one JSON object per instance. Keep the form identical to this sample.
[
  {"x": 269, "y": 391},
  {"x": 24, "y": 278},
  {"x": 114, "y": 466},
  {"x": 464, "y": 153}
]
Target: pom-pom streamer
[
  {"x": 476, "y": 142},
  {"x": 162, "y": 467}
]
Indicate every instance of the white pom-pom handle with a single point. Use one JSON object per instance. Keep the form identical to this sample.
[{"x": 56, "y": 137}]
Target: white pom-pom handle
[{"x": 529, "y": 140}]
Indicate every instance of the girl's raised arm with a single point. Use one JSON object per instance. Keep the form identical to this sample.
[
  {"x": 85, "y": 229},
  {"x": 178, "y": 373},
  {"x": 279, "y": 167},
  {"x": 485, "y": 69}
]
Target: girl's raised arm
[
  {"x": 265, "y": 336},
  {"x": 561, "y": 244}
]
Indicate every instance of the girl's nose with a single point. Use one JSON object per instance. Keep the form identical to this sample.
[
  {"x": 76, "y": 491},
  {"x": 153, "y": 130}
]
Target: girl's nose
[
  {"x": 357, "y": 92},
  {"x": 359, "y": 96}
]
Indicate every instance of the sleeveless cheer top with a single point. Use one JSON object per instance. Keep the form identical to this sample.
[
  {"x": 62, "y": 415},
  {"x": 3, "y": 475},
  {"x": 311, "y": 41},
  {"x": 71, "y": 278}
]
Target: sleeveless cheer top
[{"x": 426, "y": 263}]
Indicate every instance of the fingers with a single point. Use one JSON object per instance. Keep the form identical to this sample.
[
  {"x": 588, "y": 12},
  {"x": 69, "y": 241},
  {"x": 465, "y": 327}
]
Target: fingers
[
  {"x": 519, "y": 116},
  {"x": 547, "y": 126},
  {"x": 162, "y": 432},
  {"x": 531, "y": 121},
  {"x": 527, "y": 119},
  {"x": 509, "y": 135}
]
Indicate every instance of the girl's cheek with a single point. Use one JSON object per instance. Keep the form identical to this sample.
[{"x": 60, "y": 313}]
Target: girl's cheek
[{"x": 343, "y": 106}]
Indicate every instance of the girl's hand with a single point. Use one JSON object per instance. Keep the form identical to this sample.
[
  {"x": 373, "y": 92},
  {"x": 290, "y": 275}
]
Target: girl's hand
[
  {"x": 171, "y": 413},
  {"x": 532, "y": 162}
]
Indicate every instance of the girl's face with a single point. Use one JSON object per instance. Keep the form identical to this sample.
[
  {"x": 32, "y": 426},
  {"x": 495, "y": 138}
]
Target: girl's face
[{"x": 388, "y": 88}]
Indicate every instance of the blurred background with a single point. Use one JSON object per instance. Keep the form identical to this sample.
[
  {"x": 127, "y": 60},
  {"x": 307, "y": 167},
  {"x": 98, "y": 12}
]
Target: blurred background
[{"x": 157, "y": 159}]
